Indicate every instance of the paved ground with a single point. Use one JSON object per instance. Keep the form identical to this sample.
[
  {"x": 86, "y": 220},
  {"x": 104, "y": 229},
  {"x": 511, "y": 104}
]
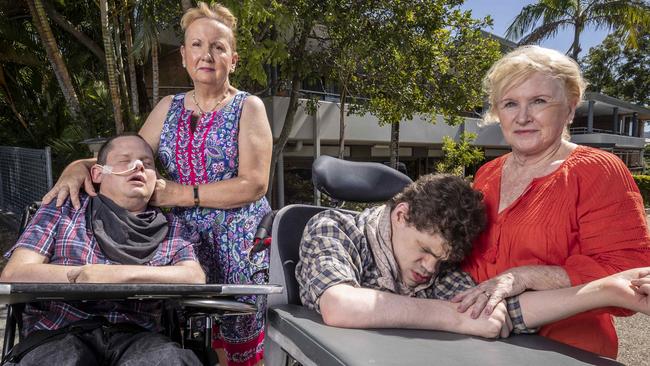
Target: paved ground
[
  {"x": 634, "y": 339},
  {"x": 634, "y": 331}
]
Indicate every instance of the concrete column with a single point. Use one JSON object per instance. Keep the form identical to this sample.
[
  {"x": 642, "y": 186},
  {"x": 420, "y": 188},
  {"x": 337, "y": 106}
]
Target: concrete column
[
  {"x": 590, "y": 117},
  {"x": 316, "y": 138},
  {"x": 615, "y": 127},
  {"x": 639, "y": 128}
]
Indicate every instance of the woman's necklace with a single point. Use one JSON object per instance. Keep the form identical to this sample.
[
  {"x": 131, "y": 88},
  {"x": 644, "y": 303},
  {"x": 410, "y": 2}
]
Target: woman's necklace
[{"x": 213, "y": 108}]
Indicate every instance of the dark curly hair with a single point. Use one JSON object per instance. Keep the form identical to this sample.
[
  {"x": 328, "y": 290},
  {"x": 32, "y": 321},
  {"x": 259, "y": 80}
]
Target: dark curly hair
[{"x": 447, "y": 205}]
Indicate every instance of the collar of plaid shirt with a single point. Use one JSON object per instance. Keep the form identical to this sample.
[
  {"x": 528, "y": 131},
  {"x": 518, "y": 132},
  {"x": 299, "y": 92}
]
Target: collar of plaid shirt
[{"x": 378, "y": 232}]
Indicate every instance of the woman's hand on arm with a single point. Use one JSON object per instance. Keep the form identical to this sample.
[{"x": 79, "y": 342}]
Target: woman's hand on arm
[
  {"x": 485, "y": 296},
  {"x": 69, "y": 184}
]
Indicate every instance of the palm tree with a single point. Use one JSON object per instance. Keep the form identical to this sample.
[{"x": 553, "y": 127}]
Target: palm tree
[
  {"x": 147, "y": 27},
  {"x": 54, "y": 56},
  {"x": 111, "y": 67},
  {"x": 128, "y": 40},
  {"x": 625, "y": 16},
  {"x": 186, "y": 5}
]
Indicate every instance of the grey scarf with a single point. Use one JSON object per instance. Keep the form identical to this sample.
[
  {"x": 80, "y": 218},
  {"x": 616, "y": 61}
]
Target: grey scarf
[
  {"x": 378, "y": 232},
  {"x": 124, "y": 237}
]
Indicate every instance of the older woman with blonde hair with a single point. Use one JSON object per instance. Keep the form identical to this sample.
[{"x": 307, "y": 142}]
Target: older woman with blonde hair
[
  {"x": 559, "y": 214},
  {"x": 215, "y": 143}
]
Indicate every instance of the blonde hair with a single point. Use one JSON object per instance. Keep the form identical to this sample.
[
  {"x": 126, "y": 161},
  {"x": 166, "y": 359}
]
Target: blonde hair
[
  {"x": 214, "y": 11},
  {"x": 518, "y": 65}
]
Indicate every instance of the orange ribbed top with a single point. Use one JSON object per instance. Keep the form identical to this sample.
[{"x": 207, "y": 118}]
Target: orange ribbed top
[{"x": 587, "y": 217}]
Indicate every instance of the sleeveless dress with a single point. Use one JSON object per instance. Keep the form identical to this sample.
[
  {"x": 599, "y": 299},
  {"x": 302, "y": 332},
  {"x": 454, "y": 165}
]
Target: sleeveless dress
[{"x": 222, "y": 237}]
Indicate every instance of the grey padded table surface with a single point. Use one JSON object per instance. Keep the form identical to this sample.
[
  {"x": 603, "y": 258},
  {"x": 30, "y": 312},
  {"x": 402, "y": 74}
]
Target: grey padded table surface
[{"x": 296, "y": 327}]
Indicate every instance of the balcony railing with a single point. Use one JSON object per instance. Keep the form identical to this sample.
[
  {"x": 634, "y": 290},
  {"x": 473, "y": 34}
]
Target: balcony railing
[{"x": 584, "y": 131}]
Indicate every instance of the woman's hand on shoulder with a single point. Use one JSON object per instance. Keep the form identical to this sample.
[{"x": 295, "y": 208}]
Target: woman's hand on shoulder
[{"x": 70, "y": 182}]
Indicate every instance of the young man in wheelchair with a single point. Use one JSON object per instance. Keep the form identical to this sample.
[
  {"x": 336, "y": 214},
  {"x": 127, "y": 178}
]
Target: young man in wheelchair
[
  {"x": 394, "y": 266},
  {"x": 113, "y": 238}
]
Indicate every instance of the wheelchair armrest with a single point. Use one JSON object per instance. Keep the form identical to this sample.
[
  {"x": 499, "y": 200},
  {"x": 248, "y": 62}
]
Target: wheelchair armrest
[{"x": 209, "y": 305}]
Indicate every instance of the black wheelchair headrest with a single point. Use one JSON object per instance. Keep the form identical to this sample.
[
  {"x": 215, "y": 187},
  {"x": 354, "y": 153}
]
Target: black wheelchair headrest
[{"x": 357, "y": 181}]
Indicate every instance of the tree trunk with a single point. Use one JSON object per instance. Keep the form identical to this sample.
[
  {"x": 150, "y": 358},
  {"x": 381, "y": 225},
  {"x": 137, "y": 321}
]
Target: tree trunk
[
  {"x": 293, "y": 102},
  {"x": 128, "y": 40},
  {"x": 575, "y": 46},
  {"x": 113, "y": 83},
  {"x": 286, "y": 128},
  {"x": 143, "y": 96},
  {"x": 124, "y": 89},
  {"x": 155, "y": 74},
  {"x": 342, "y": 120},
  {"x": 394, "y": 144},
  {"x": 186, "y": 4},
  {"x": 54, "y": 56}
]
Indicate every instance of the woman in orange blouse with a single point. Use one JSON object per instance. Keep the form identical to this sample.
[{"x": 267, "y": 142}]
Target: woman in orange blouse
[{"x": 559, "y": 214}]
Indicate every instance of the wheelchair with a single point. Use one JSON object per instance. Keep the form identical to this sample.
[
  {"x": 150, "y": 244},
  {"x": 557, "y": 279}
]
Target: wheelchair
[
  {"x": 343, "y": 181},
  {"x": 188, "y": 322}
]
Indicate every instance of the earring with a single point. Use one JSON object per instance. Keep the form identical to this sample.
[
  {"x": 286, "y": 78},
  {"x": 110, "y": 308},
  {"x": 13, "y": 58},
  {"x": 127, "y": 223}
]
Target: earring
[
  {"x": 184, "y": 66},
  {"x": 232, "y": 69}
]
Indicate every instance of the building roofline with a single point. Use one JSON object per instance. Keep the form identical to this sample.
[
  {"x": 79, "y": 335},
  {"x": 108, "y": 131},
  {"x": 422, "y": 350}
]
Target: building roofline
[
  {"x": 598, "y": 97},
  {"x": 504, "y": 41}
]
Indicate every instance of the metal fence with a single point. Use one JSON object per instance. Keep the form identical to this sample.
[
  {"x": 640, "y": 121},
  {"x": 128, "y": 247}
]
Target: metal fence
[{"x": 25, "y": 176}]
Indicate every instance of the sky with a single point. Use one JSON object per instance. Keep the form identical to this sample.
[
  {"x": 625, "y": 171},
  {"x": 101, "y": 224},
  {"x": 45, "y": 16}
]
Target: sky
[{"x": 503, "y": 12}]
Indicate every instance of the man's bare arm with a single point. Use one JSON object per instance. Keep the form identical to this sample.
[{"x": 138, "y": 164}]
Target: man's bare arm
[
  {"x": 181, "y": 272},
  {"x": 353, "y": 307},
  {"x": 26, "y": 265}
]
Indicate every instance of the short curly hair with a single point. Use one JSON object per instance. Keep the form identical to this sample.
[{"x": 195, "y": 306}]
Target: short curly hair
[
  {"x": 214, "y": 11},
  {"x": 447, "y": 205}
]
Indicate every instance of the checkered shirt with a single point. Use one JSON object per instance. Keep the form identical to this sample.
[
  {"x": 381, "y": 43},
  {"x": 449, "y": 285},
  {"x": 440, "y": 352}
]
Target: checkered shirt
[
  {"x": 64, "y": 238},
  {"x": 334, "y": 250}
]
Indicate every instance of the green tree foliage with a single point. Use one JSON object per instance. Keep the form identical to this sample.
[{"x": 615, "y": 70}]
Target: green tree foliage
[
  {"x": 402, "y": 57},
  {"x": 425, "y": 58},
  {"x": 643, "y": 182},
  {"x": 258, "y": 43},
  {"x": 459, "y": 155},
  {"x": 33, "y": 109},
  {"x": 543, "y": 19},
  {"x": 619, "y": 71}
]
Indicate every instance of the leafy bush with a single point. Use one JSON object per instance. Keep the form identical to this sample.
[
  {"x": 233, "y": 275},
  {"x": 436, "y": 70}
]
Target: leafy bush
[{"x": 643, "y": 182}]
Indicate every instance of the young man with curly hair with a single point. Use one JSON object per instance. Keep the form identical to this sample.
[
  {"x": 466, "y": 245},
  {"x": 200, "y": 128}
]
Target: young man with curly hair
[{"x": 396, "y": 266}]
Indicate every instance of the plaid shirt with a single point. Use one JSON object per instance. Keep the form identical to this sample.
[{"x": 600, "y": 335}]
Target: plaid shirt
[
  {"x": 64, "y": 238},
  {"x": 334, "y": 250}
]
